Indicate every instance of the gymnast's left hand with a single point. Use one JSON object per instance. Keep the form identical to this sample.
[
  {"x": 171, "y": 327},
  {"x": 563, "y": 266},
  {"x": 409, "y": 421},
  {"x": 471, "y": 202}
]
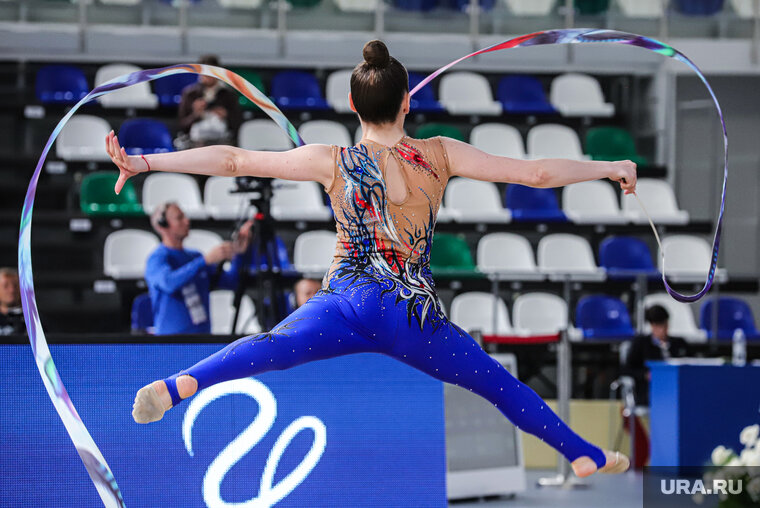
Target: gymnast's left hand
[{"x": 126, "y": 164}]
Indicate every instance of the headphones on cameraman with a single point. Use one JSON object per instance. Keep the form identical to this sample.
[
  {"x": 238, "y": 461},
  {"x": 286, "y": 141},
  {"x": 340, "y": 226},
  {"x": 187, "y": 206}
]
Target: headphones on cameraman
[{"x": 162, "y": 220}]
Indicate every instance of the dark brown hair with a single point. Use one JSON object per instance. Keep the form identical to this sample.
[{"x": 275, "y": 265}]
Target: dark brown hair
[
  {"x": 209, "y": 60},
  {"x": 656, "y": 315},
  {"x": 378, "y": 84}
]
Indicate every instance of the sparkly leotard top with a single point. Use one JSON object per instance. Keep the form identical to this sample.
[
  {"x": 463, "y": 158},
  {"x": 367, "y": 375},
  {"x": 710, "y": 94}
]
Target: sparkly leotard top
[{"x": 376, "y": 234}]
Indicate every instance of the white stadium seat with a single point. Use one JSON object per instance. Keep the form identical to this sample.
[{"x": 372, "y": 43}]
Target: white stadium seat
[
  {"x": 222, "y": 313},
  {"x": 313, "y": 252},
  {"x": 126, "y": 251},
  {"x": 337, "y": 89},
  {"x": 298, "y": 201},
  {"x": 263, "y": 135},
  {"x": 658, "y": 198},
  {"x": 83, "y": 139},
  {"x": 507, "y": 255},
  {"x": 642, "y": 8},
  {"x": 687, "y": 258},
  {"x": 561, "y": 255},
  {"x": 498, "y": 139},
  {"x": 681, "y": 321},
  {"x": 530, "y": 7},
  {"x": 592, "y": 203},
  {"x": 553, "y": 140},
  {"x": 218, "y": 200},
  {"x": 475, "y": 311},
  {"x": 467, "y": 93},
  {"x": 158, "y": 188},
  {"x": 475, "y": 201},
  {"x": 135, "y": 96},
  {"x": 575, "y": 94},
  {"x": 201, "y": 240},
  {"x": 325, "y": 132},
  {"x": 539, "y": 314}
]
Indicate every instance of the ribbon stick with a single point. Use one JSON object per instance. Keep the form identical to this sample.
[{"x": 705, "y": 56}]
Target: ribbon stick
[
  {"x": 91, "y": 456},
  {"x": 584, "y": 35}
]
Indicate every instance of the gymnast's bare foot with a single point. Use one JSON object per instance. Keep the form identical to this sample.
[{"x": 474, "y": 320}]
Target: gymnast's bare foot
[
  {"x": 153, "y": 400},
  {"x": 616, "y": 463}
]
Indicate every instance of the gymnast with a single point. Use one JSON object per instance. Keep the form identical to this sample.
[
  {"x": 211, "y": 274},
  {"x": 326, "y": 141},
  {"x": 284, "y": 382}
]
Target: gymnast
[{"x": 378, "y": 295}]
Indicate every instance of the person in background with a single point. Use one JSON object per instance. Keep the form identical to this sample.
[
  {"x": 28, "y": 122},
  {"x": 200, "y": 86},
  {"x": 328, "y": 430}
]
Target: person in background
[
  {"x": 209, "y": 112},
  {"x": 179, "y": 280},
  {"x": 658, "y": 345},
  {"x": 11, "y": 315},
  {"x": 305, "y": 289}
]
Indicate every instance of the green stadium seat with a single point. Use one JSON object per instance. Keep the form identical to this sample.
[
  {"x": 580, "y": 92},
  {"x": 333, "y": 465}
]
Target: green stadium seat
[
  {"x": 431, "y": 130},
  {"x": 98, "y": 199},
  {"x": 612, "y": 144},
  {"x": 256, "y": 80},
  {"x": 451, "y": 257},
  {"x": 592, "y": 7}
]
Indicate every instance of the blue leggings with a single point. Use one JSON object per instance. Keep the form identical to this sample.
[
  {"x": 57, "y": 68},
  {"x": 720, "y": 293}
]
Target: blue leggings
[{"x": 371, "y": 319}]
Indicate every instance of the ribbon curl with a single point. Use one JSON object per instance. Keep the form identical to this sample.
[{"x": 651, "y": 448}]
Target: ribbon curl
[{"x": 91, "y": 456}]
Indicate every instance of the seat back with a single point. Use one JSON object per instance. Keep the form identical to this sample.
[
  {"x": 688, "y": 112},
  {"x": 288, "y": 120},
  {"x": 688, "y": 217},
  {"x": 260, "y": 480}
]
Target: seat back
[
  {"x": 325, "y": 132},
  {"x": 610, "y": 144},
  {"x": 145, "y": 136},
  {"x": 530, "y": 7},
  {"x": 565, "y": 252},
  {"x": 218, "y": 200},
  {"x": 82, "y": 139},
  {"x": 158, "y": 188},
  {"x": 656, "y": 195},
  {"x": 97, "y": 198},
  {"x": 423, "y": 101},
  {"x": 523, "y": 94},
  {"x": 592, "y": 7},
  {"x": 304, "y": 196},
  {"x": 686, "y": 254},
  {"x": 60, "y": 84},
  {"x": 240, "y": 4},
  {"x": 733, "y": 314},
  {"x": 223, "y": 312},
  {"x": 528, "y": 203},
  {"x": 249, "y": 75},
  {"x": 142, "y": 314},
  {"x": 415, "y": 5},
  {"x": 642, "y": 8},
  {"x": 742, "y": 8},
  {"x": 135, "y": 96},
  {"x": 313, "y": 251},
  {"x": 591, "y": 198},
  {"x": 431, "y": 130},
  {"x": 698, "y": 7},
  {"x": 498, "y": 139},
  {"x": 601, "y": 316},
  {"x": 263, "y": 135},
  {"x": 337, "y": 89},
  {"x": 297, "y": 89},
  {"x": 169, "y": 88},
  {"x": 465, "y": 87},
  {"x": 554, "y": 141},
  {"x": 467, "y": 195},
  {"x": 681, "y": 321},
  {"x": 201, "y": 240},
  {"x": 126, "y": 251},
  {"x": 475, "y": 311},
  {"x": 625, "y": 253},
  {"x": 451, "y": 252},
  {"x": 575, "y": 88},
  {"x": 539, "y": 314},
  {"x": 505, "y": 252}
]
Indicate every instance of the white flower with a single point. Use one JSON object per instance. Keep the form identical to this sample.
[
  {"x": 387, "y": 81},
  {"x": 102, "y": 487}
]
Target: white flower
[
  {"x": 753, "y": 489},
  {"x": 751, "y": 457},
  {"x": 749, "y": 435},
  {"x": 721, "y": 455}
]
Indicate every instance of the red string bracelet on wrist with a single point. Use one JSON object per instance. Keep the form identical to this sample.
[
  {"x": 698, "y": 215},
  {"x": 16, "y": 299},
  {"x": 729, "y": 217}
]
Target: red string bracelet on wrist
[{"x": 146, "y": 161}]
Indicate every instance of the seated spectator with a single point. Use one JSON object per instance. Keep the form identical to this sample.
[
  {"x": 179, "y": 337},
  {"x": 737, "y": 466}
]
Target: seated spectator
[
  {"x": 180, "y": 280},
  {"x": 209, "y": 113},
  {"x": 656, "y": 346},
  {"x": 11, "y": 315},
  {"x": 305, "y": 289}
]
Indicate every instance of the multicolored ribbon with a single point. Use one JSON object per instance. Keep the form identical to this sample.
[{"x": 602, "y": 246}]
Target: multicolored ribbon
[
  {"x": 93, "y": 460},
  {"x": 582, "y": 35}
]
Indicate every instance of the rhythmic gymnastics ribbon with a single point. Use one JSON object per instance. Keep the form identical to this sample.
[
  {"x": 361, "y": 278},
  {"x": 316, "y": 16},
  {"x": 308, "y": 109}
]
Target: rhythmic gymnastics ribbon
[{"x": 91, "y": 456}]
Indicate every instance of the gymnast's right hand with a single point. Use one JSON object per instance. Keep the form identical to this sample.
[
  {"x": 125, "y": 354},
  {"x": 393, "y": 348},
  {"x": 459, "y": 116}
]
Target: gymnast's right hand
[{"x": 126, "y": 164}]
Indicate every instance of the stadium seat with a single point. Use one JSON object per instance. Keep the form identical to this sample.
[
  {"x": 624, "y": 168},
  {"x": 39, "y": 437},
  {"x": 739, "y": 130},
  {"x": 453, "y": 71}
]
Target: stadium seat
[
  {"x": 294, "y": 201},
  {"x": 356, "y": 5},
  {"x": 467, "y": 93},
  {"x": 612, "y": 144},
  {"x": 218, "y": 200},
  {"x": 145, "y": 136},
  {"x": 240, "y": 4},
  {"x": 552, "y": 140},
  {"x": 539, "y": 314},
  {"x": 463, "y": 5},
  {"x": 743, "y": 8},
  {"x": 523, "y": 95},
  {"x": 120, "y": 2},
  {"x": 475, "y": 201},
  {"x": 142, "y": 314},
  {"x": 642, "y": 8},
  {"x": 126, "y": 251},
  {"x": 625, "y": 257},
  {"x": 681, "y": 322},
  {"x": 592, "y": 7},
  {"x": 424, "y": 100},
  {"x": 98, "y": 199},
  {"x": 222, "y": 313},
  {"x": 313, "y": 252},
  {"x": 733, "y": 314},
  {"x": 431, "y": 130},
  {"x": 563, "y": 255},
  {"x": 252, "y": 77},
  {"x": 603, "y": 317},
  {"x": 450, "y": 255},
  {"x": 337, "y": 89},
  {"x": 659, "y": 200},
  {"x": 698, "y": 7},
  {"x": 135, "y": 96},
  {"x": 82, "y": 139},
  {"x": 507, "y": 255},
  {"x": 575, "y": 94},
  {"x": 159, "y": 188},
  {"x": 530, "y": 7},
  {"x": 326, "y": 132},
  {"x": 304, "y": 4},
  {"x": 592, "y": 202},
  {"x": 201, "y": 240},
  {"x": 263, "y": 135},
  {"x": 60, "y": 84},
  {"x": 297, "y": 90},
  {"x": 475, "y": 311},
  {"x": 498, "y": 139},
  {"x": 528, "y": 204},
  {"x": 688, "y": 258},
  {"x": 169, "y": 88},
  {"x": 415, "y": 5}
]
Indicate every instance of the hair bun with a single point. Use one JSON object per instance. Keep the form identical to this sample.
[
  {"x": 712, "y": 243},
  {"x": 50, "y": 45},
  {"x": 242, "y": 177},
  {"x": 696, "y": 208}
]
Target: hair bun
[{"x": 376, "y": 54}]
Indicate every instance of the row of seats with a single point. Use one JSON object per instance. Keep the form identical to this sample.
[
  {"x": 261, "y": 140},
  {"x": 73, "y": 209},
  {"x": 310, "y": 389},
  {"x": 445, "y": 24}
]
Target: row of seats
[
  {"x": 596, "y": 316},
  {"x": 460, "y": 93},
  {"x": 507, "y": 255}
]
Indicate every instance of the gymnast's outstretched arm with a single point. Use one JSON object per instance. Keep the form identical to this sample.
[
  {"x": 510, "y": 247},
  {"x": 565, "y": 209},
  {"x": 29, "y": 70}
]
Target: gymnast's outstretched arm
[
  {"x": 310, "y": 162},
  {"x": 468, "y": 161}
]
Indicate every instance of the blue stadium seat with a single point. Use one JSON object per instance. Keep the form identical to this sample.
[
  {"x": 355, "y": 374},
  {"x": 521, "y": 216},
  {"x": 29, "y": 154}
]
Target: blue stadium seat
[
  {"x": 144, "y": 136},
  {"x": 416, "y": 5},
  {"x": 461, "y": 5},
  {"x": 523, "y": 95},
  {"x": 142, "y": 313},
  {"x": 297, "y": 90},
  {"x": 424, "y": 100},
  {"x": 733, "y": 313},
  {"x": 60, "y": 84},
  {"x": 260, "y": 261},
  {"x": 698, "y": 7},
  {"x": 169, "y": 88},
  {"x": 529, "y": 204},
  {"x": 622, "y": 255},
  {"x": 603, "y": 317}
]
